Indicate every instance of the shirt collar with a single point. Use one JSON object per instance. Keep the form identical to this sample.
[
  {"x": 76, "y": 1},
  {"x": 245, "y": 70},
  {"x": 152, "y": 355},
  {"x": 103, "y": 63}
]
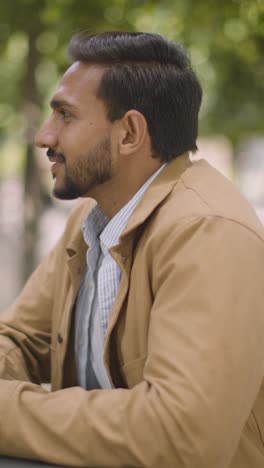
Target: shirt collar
[
  {"x": 98, "y": 225},
  {"x": 112, "y": 231},
  {"x": 93, "y": 225}
]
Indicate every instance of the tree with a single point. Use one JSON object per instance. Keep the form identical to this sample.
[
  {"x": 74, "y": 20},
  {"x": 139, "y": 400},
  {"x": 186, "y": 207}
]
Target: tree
[
  {"x": 226, "y": 46},
  {"x": 44, "y": 27}
]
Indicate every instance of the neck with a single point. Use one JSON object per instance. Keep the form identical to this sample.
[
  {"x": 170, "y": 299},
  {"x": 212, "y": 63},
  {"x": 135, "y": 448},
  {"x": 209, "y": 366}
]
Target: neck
[{"x": 116, "y": 193}]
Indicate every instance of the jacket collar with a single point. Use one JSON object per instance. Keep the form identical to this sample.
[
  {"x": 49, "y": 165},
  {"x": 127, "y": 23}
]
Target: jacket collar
[
  {"x": 158, "y": 190},
  {"x": 77, "y": 244}
]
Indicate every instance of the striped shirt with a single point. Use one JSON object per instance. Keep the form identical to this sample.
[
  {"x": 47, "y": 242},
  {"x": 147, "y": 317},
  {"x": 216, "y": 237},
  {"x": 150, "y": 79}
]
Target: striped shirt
[{"x": 98, "y": 289}]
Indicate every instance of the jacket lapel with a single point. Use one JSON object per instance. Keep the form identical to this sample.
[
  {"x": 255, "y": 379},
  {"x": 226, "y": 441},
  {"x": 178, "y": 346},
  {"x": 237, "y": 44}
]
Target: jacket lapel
[
  {"x": 156, "y": 193},
  {"x": 76, "y": 252}
]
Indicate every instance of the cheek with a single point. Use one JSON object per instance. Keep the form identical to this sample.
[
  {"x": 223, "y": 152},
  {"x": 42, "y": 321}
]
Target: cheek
[
  {"x": 80, "y": 138},
  {"x": 74, "y": 145}
]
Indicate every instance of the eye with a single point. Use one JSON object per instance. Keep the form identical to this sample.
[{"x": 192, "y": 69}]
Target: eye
[{"x": 65, "y": 114}]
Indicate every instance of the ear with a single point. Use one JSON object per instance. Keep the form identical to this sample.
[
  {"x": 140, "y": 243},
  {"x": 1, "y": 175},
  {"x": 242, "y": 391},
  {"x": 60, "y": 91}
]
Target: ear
[{"x": 133, "y": 132}]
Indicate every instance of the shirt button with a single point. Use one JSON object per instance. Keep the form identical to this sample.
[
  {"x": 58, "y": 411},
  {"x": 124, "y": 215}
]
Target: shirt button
[
  {"x": 123, "y": 258},
  {"x": 59, "y": 338}
]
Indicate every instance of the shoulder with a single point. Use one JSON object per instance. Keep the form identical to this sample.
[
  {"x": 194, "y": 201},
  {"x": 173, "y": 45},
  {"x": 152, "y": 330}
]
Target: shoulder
[{"x": 203, "y": 193}]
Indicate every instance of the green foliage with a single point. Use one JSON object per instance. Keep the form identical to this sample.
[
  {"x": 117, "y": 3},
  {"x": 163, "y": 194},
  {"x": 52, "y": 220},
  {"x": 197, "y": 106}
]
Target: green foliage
[
  {"x": 225, "y": 40},
  {"x": 226, "y": 43}
]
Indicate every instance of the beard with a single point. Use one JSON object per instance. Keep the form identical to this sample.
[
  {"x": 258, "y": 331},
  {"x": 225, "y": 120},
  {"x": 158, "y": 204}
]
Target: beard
[{"x": 89, "y": 170}]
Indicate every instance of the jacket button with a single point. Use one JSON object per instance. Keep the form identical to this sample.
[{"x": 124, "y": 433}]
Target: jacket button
[{"x": 59, "y": 338}]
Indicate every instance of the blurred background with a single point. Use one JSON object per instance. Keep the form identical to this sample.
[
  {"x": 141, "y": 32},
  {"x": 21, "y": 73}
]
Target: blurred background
[{"x": 226, "y": 45}]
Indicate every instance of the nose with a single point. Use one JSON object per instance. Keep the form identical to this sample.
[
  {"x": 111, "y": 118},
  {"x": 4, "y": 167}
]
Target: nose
[{"x": 46, "y": 137}]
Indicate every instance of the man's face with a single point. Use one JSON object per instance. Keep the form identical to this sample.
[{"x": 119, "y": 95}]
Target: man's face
[{"x": 77, "y": 134}]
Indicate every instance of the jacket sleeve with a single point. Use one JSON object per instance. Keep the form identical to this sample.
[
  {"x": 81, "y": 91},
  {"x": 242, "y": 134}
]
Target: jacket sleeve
[
  {"x": 202, "y": 374},
  {"x": 25, "y": 328}
]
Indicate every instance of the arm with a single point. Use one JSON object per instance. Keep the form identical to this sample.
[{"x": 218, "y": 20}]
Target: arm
[
  {"x": 201, "y": 377},
  {"x": 25, "y": 328}
]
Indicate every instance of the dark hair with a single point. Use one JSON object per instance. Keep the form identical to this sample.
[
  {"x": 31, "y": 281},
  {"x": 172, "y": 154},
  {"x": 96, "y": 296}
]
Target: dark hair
[{"x": 152, "y": 75}]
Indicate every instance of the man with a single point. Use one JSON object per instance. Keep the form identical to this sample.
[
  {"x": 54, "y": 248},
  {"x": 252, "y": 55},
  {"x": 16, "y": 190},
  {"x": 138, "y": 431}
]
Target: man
[{"x": 152, "y": 336}]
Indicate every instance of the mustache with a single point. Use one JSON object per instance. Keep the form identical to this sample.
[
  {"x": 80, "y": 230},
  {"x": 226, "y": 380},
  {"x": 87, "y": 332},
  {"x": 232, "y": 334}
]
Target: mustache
[{"x": 51, "y": 153}]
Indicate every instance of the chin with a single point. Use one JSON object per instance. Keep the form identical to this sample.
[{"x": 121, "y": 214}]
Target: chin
[{"x": 63, "y": 194}]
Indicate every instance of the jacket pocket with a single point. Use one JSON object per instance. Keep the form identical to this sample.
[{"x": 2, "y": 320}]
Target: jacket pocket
[{"x": 132, "y": 371}]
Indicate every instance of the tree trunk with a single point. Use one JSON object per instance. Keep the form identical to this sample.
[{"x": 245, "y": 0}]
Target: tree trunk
[{"x": 32, "y": 183}]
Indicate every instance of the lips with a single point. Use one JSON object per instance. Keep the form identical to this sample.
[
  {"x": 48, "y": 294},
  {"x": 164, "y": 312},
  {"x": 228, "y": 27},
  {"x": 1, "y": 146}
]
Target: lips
[{"x": 55, "y": 157}]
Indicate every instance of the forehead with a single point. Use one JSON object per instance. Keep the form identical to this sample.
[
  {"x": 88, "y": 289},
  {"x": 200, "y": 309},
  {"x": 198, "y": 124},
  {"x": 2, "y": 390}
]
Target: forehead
[{"x": 79, "y": 84}]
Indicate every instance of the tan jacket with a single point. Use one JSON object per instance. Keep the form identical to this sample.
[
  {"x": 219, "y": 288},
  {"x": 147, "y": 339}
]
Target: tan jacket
[{"x": 184, "y": 347}]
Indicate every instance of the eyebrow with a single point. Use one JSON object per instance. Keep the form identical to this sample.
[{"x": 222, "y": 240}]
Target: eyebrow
[{"x": 57, "y": 103}]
